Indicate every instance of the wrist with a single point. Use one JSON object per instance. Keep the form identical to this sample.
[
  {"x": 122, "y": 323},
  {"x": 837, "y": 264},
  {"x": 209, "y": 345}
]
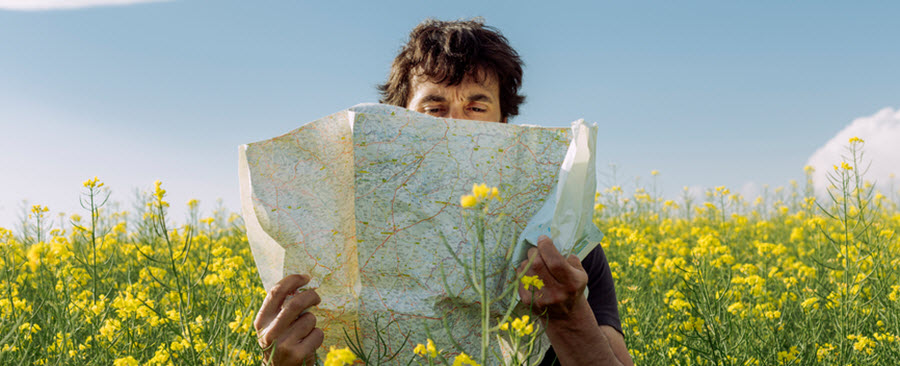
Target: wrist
[
  {"x": 570, "y": 335},
  {"x": 577, "y": 317}
]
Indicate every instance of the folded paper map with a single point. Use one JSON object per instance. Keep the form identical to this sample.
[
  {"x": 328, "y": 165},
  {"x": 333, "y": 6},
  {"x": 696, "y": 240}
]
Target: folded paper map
[{"x": 364, "y": 199}]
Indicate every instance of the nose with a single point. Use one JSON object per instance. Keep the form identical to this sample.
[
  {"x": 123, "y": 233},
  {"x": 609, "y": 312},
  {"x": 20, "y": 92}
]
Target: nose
[{"x": 457, "y": 112}]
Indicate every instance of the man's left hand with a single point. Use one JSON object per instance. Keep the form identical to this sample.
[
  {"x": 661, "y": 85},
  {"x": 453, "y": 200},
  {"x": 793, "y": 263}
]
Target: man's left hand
[{"x": 564, "y": 281}]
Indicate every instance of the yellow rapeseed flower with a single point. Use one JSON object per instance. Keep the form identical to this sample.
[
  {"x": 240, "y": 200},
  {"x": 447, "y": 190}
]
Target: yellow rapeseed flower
[
  {"x": 522, "y": 326},
  {"x": 811, "y": 302},
  {"x": 161, "y": 357},
  {"x": 884, "y": 337},
  {"x": 37, "y": 209},
  {"x": 787, "y": 356},
  {"x": 823, "y": 351},
  {"x": 339, "y": 357},
  {"x": 722, "y": 190},
  {"x": 464, "y": 359},
  {"x": 110, "y": 329},
  {"x": 9, "y": 348},
  {"x": 693, "y": 324},
  {"x": 93, "y": 183},
  {"x": 126, "y": 361},
  {"x": 737, "y": 308},
  {"x": 863, "y": 343},
  {"x": 28, "y": 329},
  {"x": 679, "y": 304},
  {"x": 426, "y": 349},
  {"x": 856, "y": 139},
  {"x": 159, "y": 193},
  {"x": 895, "y": 293},
  {"x": 480, "y": 190},
  {"x": 481, "y": 193},
  {"x": 528, "y": 281}
]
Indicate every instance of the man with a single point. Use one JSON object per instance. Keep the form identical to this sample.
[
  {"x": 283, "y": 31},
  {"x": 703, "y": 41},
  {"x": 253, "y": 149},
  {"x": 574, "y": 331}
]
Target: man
[{"x": 466, "y": 70}]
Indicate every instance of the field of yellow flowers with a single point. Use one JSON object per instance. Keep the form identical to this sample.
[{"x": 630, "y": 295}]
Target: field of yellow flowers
[
  {"x": 780, "y": 281},
  {"x": 127, "y": 289},
  {"x": 784, "y": 280}
]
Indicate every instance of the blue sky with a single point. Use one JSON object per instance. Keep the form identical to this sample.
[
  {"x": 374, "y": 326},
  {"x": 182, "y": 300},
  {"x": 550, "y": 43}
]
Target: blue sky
[{"x": 708, "y": 93}]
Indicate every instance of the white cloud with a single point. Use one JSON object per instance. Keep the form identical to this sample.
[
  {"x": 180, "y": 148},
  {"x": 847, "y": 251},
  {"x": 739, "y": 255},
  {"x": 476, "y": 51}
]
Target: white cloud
[
  {"x": 64, "y": 4},
  {"x": 881, "y": 133}
]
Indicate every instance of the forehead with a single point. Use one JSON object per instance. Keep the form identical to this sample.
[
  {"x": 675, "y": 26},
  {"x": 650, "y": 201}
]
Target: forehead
[{"x": 479, "y": 80}]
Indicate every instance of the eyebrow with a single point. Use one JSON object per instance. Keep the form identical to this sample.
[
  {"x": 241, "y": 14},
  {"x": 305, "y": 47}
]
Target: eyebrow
[
  {"x": 480, "y": 98},
  {"x": 433, "y": 98},
  {"x": 472, "y": 98}
]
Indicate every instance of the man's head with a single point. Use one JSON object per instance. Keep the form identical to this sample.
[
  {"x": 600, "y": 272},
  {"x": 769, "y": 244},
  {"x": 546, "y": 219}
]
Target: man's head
[{"x": 457, "y": 69}]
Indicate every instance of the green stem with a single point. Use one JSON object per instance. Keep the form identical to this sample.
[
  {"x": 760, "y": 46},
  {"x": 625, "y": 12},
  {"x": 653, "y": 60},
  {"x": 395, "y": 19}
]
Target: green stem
[
  {"x": 94, "y": 215},
  {"x": 485, "y": 301},
  {"x": 185, "y": 326}
]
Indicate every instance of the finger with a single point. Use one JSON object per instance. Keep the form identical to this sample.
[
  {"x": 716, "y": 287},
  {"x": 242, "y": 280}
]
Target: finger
[
  {"x": 527, "y": 264},
  {"x": 275, "y": 297},
  {"x": 556, "y": 264},
  {"x": 312, "y": 342},
  {"x": 290, "y": 311},
  {"x": 575, "y": 262},
  {"x": 293, "y": 354},
  {"x": 300, "y": 329}
]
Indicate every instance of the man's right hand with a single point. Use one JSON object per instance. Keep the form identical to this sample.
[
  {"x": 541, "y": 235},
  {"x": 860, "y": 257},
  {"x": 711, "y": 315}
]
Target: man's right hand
[{"x": 286, "y": 331}]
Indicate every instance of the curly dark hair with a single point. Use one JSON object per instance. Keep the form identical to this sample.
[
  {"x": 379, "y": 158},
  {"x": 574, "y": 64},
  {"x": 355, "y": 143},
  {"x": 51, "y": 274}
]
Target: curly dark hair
[{"x": 446, "y": 52}]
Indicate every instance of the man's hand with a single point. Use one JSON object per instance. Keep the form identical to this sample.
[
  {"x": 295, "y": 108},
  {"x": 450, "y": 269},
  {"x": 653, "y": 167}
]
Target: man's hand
[
  {"x": 564, "y": 281},
  {"x": 286, "y": 332},
  {"x": 565, "y": 312}
]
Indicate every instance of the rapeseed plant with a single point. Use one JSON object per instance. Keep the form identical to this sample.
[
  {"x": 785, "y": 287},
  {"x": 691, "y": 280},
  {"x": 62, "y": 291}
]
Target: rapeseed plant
[
  {"x": 783, "y": 280},
  {"x": 787, "y": 279},
  {"x": 123, "y": 288}
]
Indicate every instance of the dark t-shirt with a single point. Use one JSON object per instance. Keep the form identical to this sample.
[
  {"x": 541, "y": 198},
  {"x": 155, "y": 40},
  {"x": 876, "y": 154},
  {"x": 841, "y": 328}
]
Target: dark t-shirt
[{"x": 601, "y": 296}]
